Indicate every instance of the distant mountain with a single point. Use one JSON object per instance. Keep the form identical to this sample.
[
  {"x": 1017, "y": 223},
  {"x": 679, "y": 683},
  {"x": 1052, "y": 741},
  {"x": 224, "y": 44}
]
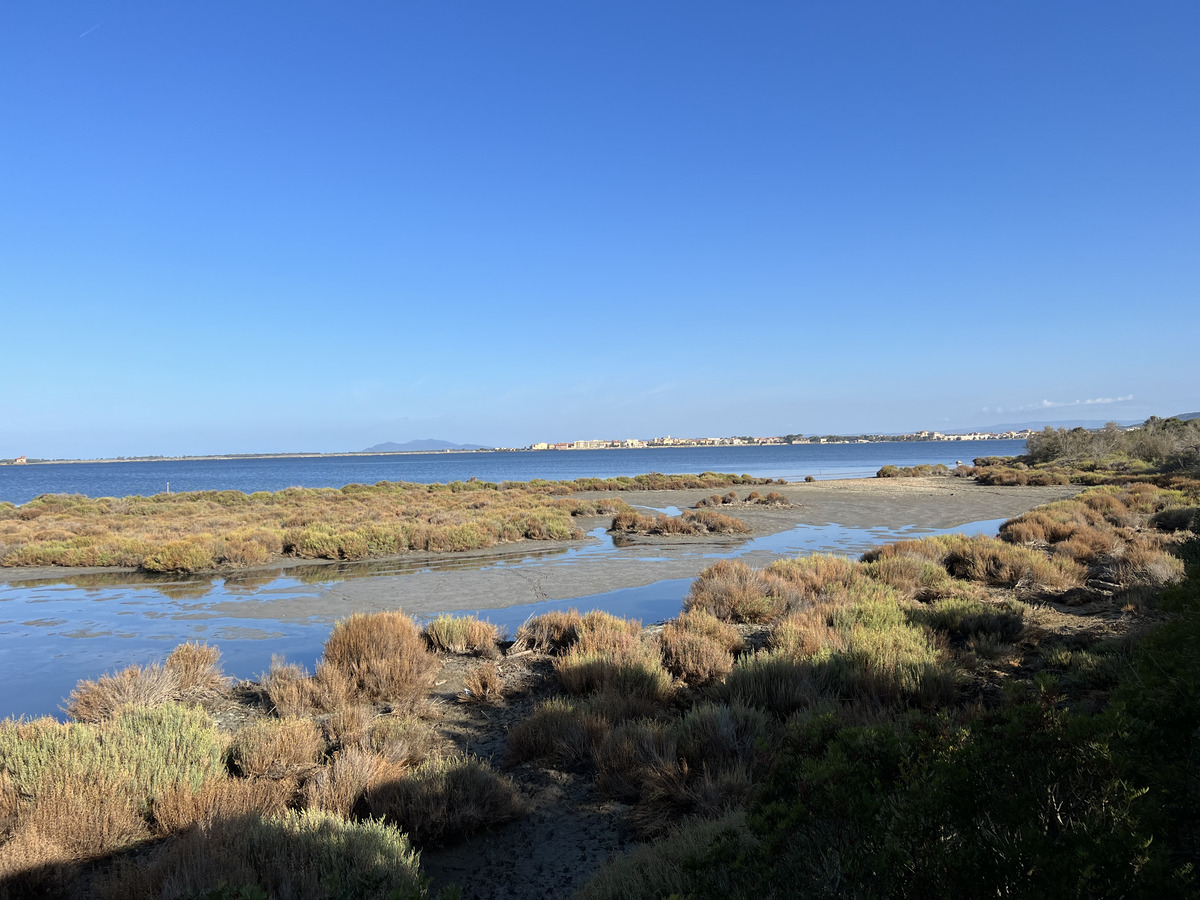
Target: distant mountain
[
  {"x": 421, "y": 446},
  {"x": 1186, "y": 416}
]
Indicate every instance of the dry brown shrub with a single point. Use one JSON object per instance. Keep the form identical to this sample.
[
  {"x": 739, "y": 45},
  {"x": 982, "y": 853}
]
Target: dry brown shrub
[
  {"x": 384, "y": 655},
  {"x": 181, "y": 806},
  {"x": 288, "y": 688},
  {"x": 1110, "y": 506},
  {"x": 338, "y": 787},
  {"x": 731, "y": 590},
  {"x": 483, "y": 684},
  {"x": 1086, "y": 546},
  {"x": 198, "y": 670},
  {"x": 348, "y": 725},
  {"x": 813, "y": 573},
  {"x": 32, "y": 864},
  {"x": 272, "y": 748},
  {"x": 694, "y": 657},
  {"x": 95, "y": 701},
  {"x": 1145, "y": 565},
  {"x": 714, "y": 522},
  {"x": 1001, "y": 564},
  {"x": 598, "y": 620},
  {"x": 403, "y": 739},
  {"x": 675, "y": 793},
  {"x": 559, "y": 732},
  {"x": 612, "y": 657},
  {"x": 915, "y": 578},
  {"x": 800, "y": 635},
  {"x": 444, "y": 799},
  {"x": 462, "y": 634},
  {"x": 551, "y": 632},
  {"x": 632, "y": 750},
  {"x": 701, "y": 621},
  {"x": 76, "y": 819}
]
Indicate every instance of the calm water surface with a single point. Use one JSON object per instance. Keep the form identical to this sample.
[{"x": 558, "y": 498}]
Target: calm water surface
[{"x": 20, "y": 484}]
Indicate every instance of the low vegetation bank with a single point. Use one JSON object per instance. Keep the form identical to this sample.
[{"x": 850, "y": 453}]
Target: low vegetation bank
[
  {"x": 945, "y": 717},
  {"x": 219, "y": 529}
]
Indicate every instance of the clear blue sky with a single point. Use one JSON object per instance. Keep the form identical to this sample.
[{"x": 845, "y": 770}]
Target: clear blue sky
[{"x": 261, "y": 226}]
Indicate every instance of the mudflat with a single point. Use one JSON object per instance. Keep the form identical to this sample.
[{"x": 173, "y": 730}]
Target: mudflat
[{"x": 920, "y": 503}]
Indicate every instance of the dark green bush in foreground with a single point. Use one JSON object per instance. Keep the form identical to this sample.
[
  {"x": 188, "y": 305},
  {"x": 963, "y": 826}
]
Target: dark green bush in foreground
[{"x": 1032, "y": 799}]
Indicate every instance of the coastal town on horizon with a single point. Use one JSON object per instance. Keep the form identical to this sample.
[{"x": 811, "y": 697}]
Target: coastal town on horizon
[
  {"x": 666, "y": 441},
  {"x": 749, "y": 440}
]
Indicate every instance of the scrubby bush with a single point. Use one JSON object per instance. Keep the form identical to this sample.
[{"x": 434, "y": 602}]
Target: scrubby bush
[
  {"x": 445, "y": 799},
  {"x": 551, "y": 632},
  {"x": 76, "y": 791},
  {"x": 613, "y": 659},
  {"x": 734, "y": 592},
  {"x": 311, "y": 853},
  {"x": 384, "y": 657},
  {"x": 197, "y": 670},
  {"x": 276, "y": 748},
  {"x": 462, "y": 634},
  {"x": 94, "y": 701},
  {"x": 483, "y": 684}
]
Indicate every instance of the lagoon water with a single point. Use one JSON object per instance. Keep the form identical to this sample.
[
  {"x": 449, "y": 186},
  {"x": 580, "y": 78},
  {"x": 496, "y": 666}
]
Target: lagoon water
[
  {"x": 54, "y": 632},
  {"x": 20, "y": 484}
]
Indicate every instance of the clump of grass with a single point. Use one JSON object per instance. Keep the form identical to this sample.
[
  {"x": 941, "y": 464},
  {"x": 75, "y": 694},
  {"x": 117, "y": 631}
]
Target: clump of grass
[
  {"x": 384, "y": 657},
  {"x": 445, "y": 799},
  {"x": 339, "y": 787},
  {"x": 775, "y": 682},
  {"x": 277, "y": 748},
  {"x": 1141, "y": 565},
  {"x": 813, "y": 573},
  {"x": 483, "y": 684},
  {"x": 560, "y": 731},
  {"x": 403, "y": 739},
  {"x": 802, "y": 634},
  {"x": 309, "y": 853},
  {"x": 287, "y": 688},
  {"x": 197, "y": 670},
  {"x": 995, "y": 562},
  {"x": 610, "y": 655},
  {"x": 913, "y": 577},
  {"x": 691, "y": 522},
  {"x": 734, "y": 592},
  {"x": 94, "y": 701},
  {"x": 462, "y": 634},
  {"x": 180, "y": 806},
  {"x": 348, "y": 725},
  {"x": 964, "y": 618},
  {"x": 924, "y": 470},
  {"x": 630, "y": 752},
  {"x": 698, "y": 647},
  {"x": 551, "y": 632}
]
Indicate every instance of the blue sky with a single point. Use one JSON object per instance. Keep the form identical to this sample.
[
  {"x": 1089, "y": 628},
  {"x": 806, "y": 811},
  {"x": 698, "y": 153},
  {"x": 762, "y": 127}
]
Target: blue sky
[{"x": 241, "y": 227}]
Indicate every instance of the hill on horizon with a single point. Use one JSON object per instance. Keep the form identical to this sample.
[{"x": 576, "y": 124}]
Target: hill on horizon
[{"x": 424, "y": 444}]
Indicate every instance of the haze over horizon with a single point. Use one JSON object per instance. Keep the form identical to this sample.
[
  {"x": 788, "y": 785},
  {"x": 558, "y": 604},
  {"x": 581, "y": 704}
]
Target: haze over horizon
[{"x": 261, "y": 228}]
